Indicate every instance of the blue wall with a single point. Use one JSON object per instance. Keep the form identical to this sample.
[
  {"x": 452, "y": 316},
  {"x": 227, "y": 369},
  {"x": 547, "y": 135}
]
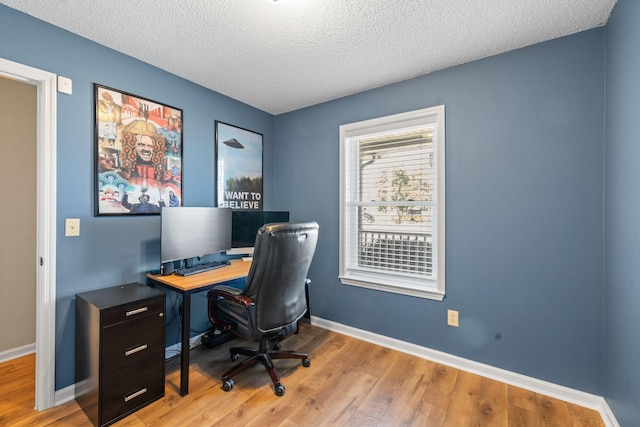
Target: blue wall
[
  {"x": 115, "y": 250},
  {"x": 524, "y": 163},
  {"x": 525, "y": 153},
  {"x": 622, "y": 214}
]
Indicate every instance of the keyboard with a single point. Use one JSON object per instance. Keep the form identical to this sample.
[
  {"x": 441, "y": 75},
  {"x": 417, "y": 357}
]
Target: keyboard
[{"x": 201, "y": 268}]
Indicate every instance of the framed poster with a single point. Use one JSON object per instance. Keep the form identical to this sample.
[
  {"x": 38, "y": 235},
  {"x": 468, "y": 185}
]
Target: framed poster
[
  {"x": 239, "y": 167},
  {"x": 138, "y": 154}
]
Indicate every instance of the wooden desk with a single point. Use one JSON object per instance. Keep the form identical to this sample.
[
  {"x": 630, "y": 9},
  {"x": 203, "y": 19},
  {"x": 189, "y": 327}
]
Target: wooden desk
[{"x": 187, "y": 285}]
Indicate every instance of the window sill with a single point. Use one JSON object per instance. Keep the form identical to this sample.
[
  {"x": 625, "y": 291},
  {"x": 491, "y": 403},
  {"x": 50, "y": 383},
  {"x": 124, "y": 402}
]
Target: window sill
[{"x": 396, "y": 287}]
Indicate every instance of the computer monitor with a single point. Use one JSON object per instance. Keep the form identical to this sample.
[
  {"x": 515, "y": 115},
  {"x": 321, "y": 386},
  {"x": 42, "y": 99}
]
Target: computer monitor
[
  {"x": 245, "y": 226},
  {"x": 189, "y": 232}
]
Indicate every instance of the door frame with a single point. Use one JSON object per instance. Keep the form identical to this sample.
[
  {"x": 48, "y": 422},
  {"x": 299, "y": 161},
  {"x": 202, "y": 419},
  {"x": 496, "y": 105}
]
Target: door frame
[{"x": 45, "y": 257}]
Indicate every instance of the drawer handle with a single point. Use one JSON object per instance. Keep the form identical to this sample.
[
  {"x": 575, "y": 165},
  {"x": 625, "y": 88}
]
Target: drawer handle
[
  {"x": 136, "y": 311},
  {"x": 134, "y": 395},
  {"x": 135, "y": 350}
]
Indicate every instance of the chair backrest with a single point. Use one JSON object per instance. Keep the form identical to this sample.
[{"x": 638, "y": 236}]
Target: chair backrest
[{"x": 276, "y": 280}]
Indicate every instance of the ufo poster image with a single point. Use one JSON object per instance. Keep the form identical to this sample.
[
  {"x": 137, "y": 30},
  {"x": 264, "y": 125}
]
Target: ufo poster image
[
  {"x": 138, "y": 154},
  {"x": 238, "y": 168}
]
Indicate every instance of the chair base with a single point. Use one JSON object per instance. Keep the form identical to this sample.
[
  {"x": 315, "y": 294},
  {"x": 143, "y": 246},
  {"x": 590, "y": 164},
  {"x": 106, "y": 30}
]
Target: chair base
[{"x": 265, "y": 355}]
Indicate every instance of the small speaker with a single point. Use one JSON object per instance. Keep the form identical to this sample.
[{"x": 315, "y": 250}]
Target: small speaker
[{"x": 166, "y": 268}]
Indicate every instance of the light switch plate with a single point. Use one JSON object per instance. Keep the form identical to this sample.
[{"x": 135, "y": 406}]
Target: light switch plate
[{"x": 72, "y": 227}]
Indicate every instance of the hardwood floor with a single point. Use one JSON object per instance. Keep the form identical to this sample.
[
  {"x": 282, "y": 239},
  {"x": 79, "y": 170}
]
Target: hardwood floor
[{"x": 349, "y": 383}]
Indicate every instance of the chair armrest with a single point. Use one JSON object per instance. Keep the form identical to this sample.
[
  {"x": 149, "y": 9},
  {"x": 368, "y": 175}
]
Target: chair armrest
[
  {"x": 226, "y": 293},
  {"x": 231, "y": 294},
  {"x": 228, "y": 289}
]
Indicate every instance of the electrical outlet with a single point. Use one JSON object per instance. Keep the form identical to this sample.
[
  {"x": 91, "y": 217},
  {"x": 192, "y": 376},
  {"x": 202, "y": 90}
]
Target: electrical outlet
[{"x": 452, "y": 318}]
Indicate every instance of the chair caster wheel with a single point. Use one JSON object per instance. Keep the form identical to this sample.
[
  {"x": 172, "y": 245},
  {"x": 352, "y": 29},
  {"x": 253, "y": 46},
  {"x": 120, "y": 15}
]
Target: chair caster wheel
[
  {"x": 306, "y": 363},
  {"x": 235, "y": 357},
  {"x": 276, "y": 346},
  {"x": 227, "y": 385},
  {"x": 280, "y": 390}
]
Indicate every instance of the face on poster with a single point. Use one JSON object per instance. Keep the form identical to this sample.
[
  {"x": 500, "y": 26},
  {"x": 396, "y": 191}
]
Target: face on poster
[{"x": 138, "y": 154}]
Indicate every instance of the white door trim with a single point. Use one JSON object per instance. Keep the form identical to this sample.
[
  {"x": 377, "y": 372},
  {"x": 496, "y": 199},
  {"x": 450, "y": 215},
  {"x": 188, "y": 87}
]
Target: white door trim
[{"x": 45, "y": 258}]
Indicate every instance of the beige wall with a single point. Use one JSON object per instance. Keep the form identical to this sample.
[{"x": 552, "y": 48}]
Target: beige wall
[{"x": 17, "y": 214}]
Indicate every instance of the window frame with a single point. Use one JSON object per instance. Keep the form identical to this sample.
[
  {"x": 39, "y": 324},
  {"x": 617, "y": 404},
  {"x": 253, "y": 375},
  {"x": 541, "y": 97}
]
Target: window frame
[{"x": 389, "y": 282}]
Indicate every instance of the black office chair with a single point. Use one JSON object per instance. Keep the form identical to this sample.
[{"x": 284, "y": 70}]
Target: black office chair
[{"x": 273, "y": 300}]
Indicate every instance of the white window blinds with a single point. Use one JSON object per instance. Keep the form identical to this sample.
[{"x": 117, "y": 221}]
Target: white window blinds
[{"x": 390, "y": 201}]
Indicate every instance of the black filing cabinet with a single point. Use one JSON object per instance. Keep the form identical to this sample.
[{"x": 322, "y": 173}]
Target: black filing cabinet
[{"x": 119, "y": 366}]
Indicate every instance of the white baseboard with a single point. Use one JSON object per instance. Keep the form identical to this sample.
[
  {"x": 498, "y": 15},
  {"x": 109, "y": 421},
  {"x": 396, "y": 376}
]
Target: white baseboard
[
  {"x": 65, "y": 395},
  {"x": 14, "y": 353},
  {"x": 587, "y": 400}
]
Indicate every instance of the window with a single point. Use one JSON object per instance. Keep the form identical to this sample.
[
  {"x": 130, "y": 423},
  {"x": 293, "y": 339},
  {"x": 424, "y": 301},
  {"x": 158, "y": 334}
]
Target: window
[{"x": 392, "y": 203}]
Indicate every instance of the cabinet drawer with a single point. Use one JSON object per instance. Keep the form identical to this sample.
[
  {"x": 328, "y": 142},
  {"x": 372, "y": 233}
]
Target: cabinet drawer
[
  {"x": 132, "y": 341},
  {"x": 132, "y": 311},
  {"x": 120, "y": 334},
  {"x": 132, "y": 386}
]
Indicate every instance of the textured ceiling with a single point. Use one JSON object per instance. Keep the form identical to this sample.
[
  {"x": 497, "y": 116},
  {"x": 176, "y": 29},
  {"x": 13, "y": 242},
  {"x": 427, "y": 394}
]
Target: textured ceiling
[{"x": 284, "y": 55}]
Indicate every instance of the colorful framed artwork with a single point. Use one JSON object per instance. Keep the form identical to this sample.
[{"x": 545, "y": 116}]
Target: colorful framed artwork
[
  {"x": 239, "y": 167},
  {"x": 138, "y": 154}
]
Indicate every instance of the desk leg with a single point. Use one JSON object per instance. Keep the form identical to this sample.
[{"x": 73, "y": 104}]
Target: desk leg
[{"x": 184, "y": 353}]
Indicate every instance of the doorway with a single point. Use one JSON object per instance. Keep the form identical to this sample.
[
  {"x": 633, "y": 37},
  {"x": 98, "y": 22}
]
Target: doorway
[
  {"x": 45, "y": 260},
  {"x": 18, "y": 115}
]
